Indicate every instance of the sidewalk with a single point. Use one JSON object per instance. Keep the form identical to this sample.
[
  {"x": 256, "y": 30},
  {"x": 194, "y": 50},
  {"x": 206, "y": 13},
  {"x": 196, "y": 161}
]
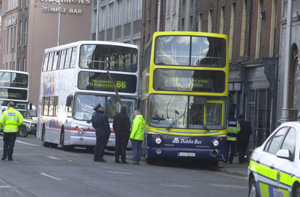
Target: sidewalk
[{"x": 235, "y": 168}]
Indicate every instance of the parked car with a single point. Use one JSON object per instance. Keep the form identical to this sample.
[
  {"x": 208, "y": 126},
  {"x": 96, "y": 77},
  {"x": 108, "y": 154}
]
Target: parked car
[
  {"x": 30, "y": 122},
  {"x": 274, "y": 168}
]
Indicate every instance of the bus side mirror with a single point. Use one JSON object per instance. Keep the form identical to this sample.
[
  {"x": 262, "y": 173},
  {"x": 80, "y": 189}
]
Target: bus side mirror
[{"x": 69, "y": 100}]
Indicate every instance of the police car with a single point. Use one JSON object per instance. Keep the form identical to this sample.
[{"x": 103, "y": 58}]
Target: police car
[{"x": 274, "y": 168}]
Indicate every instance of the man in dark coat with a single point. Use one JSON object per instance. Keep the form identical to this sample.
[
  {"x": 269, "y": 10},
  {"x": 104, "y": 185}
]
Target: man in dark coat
[
  {"x": 243, "y": 137},
  {"x": 100, "y": 123},
  {"x": 122, "y": 130}
]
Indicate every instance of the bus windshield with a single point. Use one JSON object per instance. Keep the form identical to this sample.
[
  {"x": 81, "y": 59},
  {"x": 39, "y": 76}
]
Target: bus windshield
[
  {"x": 10, "y": 79},
  {"x": 84, "y": 104},
  {"x": 108, "y": 57},
  {"x": 180, "y": 111},
  {"x": 190, "y": 51}
]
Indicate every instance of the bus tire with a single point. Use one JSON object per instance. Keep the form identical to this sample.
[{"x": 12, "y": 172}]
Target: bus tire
[
  {"x": 62, "y": 136},
  {"x": 43, "y": 133},
  {"x": 151, "y": 161},
  {"x": 23, "y": 131},
  {"x": 46, "y": 144}
]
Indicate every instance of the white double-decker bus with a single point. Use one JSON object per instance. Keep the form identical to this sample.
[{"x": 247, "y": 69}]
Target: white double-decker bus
[
  {"x": 77, "y": 76},
  {"x": 14, "y": 86}
]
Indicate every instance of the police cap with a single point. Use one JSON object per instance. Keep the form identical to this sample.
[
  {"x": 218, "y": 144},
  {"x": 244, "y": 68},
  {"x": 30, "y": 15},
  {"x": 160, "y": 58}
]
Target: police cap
[{"x": 97, "y": 107}]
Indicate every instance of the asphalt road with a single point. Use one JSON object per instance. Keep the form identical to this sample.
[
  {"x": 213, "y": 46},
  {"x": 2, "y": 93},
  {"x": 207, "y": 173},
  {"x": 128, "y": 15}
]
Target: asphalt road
[{"x": 37, "y": 171}]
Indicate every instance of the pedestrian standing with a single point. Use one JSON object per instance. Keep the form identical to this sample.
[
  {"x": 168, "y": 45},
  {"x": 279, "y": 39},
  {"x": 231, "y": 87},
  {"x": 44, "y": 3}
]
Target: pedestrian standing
[
  {"x": 121, "y": 127},
  {"x": 232, "y": 131},
  {"x": 11, "y": 119},
  {"x": 100, "y": 123},
  {"x": 243, "y": 137},
  {"x": 137, "y": 136}
]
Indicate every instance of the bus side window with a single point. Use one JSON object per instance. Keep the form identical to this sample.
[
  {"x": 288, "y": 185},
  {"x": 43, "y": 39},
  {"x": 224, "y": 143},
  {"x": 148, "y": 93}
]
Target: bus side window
[
  {"x": 56, "y": 60},
  {"x": 73, "y": 58},
  {"x": 68, "y": 58},
  {"x": 50, "y": 61},
  {"x": 45, "y": 64},
  {"x": 62, "y": 59}
]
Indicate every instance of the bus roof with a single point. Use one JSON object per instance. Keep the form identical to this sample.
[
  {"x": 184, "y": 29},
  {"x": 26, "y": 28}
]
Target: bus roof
[
  {"x": 189, "y": 33},
  {"x": 78, "y": 43},
  {"x": 14, "y": 71}
]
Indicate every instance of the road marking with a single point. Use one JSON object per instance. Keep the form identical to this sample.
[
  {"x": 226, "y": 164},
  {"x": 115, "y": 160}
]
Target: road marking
[
  {"x": 52, "y": 177},
  {"x": 5, "y": 186},
  {"x": 229, "y": 186},
  {"x": 171, "y": 185},
  {"x": 55, "y": 158},
  {"x": 26, "y": 143},
  {"x": 23, "y": 142},
  {"x": 111, "y": 172}
]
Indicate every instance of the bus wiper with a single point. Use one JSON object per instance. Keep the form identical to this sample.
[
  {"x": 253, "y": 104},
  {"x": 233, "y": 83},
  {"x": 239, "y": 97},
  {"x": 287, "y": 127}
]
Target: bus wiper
[
  {"x": 204, "y": 126},
  {"x": 174, "y": 122}
]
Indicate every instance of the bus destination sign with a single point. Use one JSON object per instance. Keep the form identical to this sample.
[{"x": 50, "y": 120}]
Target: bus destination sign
[{"x": 102, "y": 82}]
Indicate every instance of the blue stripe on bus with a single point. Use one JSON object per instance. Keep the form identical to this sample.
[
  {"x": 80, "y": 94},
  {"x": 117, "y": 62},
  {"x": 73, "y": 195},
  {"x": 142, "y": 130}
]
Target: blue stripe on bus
[{"x": 188, "y": 132}]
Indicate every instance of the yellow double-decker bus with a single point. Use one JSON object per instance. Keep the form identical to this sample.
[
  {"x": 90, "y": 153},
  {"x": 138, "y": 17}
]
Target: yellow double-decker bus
[{"x": 184, "y": 96}]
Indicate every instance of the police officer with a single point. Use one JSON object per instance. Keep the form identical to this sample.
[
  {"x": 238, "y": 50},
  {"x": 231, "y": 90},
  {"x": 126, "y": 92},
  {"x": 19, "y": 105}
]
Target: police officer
[
  {"x": 232, "y": 131},
  {"x": 122, "y": 130},
  {"x": 100, "y": 123},
  {"x": 11, "y": 119},
  {"x": 243, "y": 137}
]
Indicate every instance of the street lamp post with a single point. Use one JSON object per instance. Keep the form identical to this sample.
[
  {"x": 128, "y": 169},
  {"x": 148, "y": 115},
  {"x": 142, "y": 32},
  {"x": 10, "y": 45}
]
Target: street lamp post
[
  {"x": 45, "y": 8},
  {"x": 58, "y": 28},
  {"x": 13, "y": 43}
]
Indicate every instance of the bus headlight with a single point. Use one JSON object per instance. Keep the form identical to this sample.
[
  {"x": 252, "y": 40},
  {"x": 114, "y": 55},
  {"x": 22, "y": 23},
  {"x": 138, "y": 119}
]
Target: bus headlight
[
  {"x": 158, "y": 140},
  {"x": 216, "y": 143},
  {"x": 80, "y": 131}
]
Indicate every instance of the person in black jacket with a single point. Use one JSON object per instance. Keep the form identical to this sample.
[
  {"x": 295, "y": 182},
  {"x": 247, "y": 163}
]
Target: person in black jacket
[
  {"x": 243, "y": 138},
  {"x": 122, "y": 130},
  {"x": 100, "y": 123}
]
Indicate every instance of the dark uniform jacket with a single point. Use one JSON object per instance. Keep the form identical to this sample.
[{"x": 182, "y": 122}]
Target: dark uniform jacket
[
  {"x": 100, "y": 123},
  {"x": 245, "y": 130},
  {"x": 121, "y": 123}
]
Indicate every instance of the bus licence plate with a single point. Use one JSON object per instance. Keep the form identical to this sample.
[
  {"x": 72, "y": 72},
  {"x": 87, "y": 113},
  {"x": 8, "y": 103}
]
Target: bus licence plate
[{"x": 185, "y": 154}]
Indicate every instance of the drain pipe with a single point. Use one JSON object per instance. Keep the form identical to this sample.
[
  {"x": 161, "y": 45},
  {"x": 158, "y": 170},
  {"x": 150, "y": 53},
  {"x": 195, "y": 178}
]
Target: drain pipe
[
  {"x": 158, "y": 14},
  {"x": 285, "y": 109}
]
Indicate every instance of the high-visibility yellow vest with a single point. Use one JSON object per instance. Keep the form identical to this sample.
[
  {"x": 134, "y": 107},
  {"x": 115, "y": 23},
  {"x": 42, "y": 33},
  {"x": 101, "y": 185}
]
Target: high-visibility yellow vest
[{"x": 11, "y": 119}]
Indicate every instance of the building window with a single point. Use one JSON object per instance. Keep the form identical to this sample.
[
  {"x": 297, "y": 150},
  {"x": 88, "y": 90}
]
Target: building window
[
  {"x": 200, "y": 22},
  {"x": 20, "y": 33},
  {"x": 231, "y": 32},
  {"x": 243, "y": 30},
  {"x": 19, "y": 64},
  {"x": 222, "y": 20},
  {"x": 20, "y": 4},
  {"x": 120, "y": 12},
  {"x": 273, "y": 28},
  {"x": 24, "y": 64},
  {"x": 26, "y": 32},
  {"x": 209, "y": 27},
  {"x": 191, "y": 23},
  {"x": 258, "y": 30},
  {"x": 139, "y": 10}
]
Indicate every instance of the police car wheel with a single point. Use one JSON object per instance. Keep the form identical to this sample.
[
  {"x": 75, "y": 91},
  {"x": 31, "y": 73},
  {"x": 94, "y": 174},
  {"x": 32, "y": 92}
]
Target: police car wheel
[
  {"x": 23, "y": 131},
  {"x": 252, "y": 189},
  {"x": 297, "y": 192}
]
